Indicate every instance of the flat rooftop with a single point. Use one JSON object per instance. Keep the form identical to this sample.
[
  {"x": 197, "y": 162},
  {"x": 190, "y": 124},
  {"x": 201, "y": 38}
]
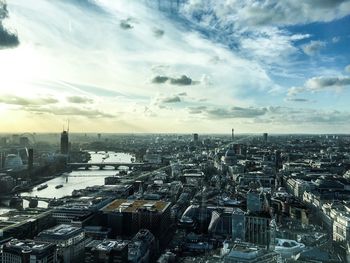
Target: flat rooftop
[
  {"x": 108, "y": 244},
  {"x": 132, "y": 206},
  {"x": 27, "y": 245},
  {"x": 61, "y": 231},
  {"x": 13, "y": 218}
]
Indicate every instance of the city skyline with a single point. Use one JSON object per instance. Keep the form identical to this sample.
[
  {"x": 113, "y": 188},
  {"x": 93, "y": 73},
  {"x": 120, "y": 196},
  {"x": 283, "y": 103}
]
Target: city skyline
[{"x": 197, "y": 66}]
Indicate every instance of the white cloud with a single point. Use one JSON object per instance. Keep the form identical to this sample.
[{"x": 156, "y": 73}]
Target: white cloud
[
  {"x": 335, "y": 39},
  {"x": 318, "y": 84},
  {"x": 109, "y": 51},
  {"x": 273, "y": 12},
  {"x": 313, "y": 47},
  {"x": 347, "y": 68},
  {"x": 270, "y": 44},
  {"x": 321, "y": 83}
]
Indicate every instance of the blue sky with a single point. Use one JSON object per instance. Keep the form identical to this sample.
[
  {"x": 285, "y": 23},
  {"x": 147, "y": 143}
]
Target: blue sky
[{"x": 200, "y": 66}]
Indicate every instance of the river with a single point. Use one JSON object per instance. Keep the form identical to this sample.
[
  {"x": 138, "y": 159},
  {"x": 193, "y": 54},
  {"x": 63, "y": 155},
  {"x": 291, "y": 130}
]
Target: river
[{"x": 79, "y": 179}]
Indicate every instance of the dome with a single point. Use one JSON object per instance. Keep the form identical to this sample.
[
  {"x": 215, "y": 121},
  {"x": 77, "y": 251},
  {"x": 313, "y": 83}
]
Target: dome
[
  {"x": 13, "y": 161},
  {"x": 230, "y": 157}
]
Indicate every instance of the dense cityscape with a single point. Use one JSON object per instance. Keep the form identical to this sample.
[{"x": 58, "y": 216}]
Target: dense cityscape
[
  {"x": 174, "y": 131},
  {"x": 174, "y": 198}
]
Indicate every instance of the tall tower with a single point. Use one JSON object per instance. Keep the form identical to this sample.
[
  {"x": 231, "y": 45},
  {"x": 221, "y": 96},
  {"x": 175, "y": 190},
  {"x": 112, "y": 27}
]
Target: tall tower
[
  {"x": 238, "y": 224},
  {"x": 2, "y": 160},
  {"x": 265, "y": 136},
  {"x": 64, "y": 142},
  {"x": 30, "y": 159},
  {"x": 233, "y": 134},
  {"x": 195, "y": 138}
]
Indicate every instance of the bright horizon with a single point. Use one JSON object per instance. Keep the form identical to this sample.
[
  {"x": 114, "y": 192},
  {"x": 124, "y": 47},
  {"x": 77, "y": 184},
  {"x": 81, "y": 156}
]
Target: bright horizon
[{"x": 205, "y": 66}]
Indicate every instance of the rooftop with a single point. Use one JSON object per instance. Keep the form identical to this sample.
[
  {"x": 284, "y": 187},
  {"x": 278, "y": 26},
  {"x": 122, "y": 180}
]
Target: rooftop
[
  {"x": 108, "y": 244},
  {"x": 131, "y": 206},
  {"x": 61, "y": 231},
  {"x": 13, "y": 218},
  {"x": 27, "y": 245}
]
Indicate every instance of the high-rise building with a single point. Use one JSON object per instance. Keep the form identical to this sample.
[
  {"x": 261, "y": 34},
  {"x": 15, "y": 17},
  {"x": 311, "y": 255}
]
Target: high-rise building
[
  {"x": 257, "y": 230},
  {"x": 70, "y": 241},
  {"x": 233, "y": 134},
  {"x": 30, "y": 159},
  {"x": 265, "y": 136},
  {"x": 221, "y": 223},
  {"x": 278, "y": 160},
  {"x": 2, "y": 160},
  {"x": 18, "y": 251},
  {"x": 195, "y": 138},
  {"x": 127, "y": 217},
  {"x": 64, "y": 142},
  {"x": 238, "y": 224},
  {"x": 254, "y": 201}
]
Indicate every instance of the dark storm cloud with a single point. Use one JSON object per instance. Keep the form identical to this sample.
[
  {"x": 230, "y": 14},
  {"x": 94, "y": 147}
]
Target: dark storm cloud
[{"x": 79, "y": 100}]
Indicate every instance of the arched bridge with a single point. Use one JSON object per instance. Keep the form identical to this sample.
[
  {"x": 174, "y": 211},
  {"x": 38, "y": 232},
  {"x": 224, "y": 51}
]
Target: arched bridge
[
  {"x": 102, "y": 165},
  {"x": 38, "y": 198}
]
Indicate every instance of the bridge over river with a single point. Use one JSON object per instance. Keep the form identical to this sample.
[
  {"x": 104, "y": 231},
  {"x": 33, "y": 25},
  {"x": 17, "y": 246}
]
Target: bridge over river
[{"x": 102, "y": 165}]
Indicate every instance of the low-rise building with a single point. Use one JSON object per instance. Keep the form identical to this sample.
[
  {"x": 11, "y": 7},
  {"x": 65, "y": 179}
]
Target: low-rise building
[
  {"x": 240, "y": 252},
  {"x": 18, "y": 251},
  {"x": 143, "y": 247},
  {"x": 106, "y": 251},
  {"x": 25, "y": 224}
]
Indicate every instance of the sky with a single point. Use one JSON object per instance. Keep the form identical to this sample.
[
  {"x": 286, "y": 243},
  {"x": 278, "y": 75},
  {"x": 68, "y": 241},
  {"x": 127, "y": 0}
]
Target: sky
[{"x": 206, "y": 66}]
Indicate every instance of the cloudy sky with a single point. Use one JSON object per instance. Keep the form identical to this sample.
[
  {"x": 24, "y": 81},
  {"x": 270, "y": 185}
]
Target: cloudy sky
[{"x": 277, "y": 66}]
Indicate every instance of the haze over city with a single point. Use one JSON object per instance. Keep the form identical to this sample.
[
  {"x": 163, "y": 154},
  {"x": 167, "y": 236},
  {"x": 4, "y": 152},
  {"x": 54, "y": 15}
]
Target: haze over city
[{"x": 175, "y": 66}]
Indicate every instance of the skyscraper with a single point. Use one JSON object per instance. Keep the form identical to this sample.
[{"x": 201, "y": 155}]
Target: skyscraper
[
  {"x": 64, "y": 142},
  {"x": 238, "y": 224},
  {"x": 195, "y": 138},
  {"x": 30, "y": 159},
  {"x": 265, "y": 135}
]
